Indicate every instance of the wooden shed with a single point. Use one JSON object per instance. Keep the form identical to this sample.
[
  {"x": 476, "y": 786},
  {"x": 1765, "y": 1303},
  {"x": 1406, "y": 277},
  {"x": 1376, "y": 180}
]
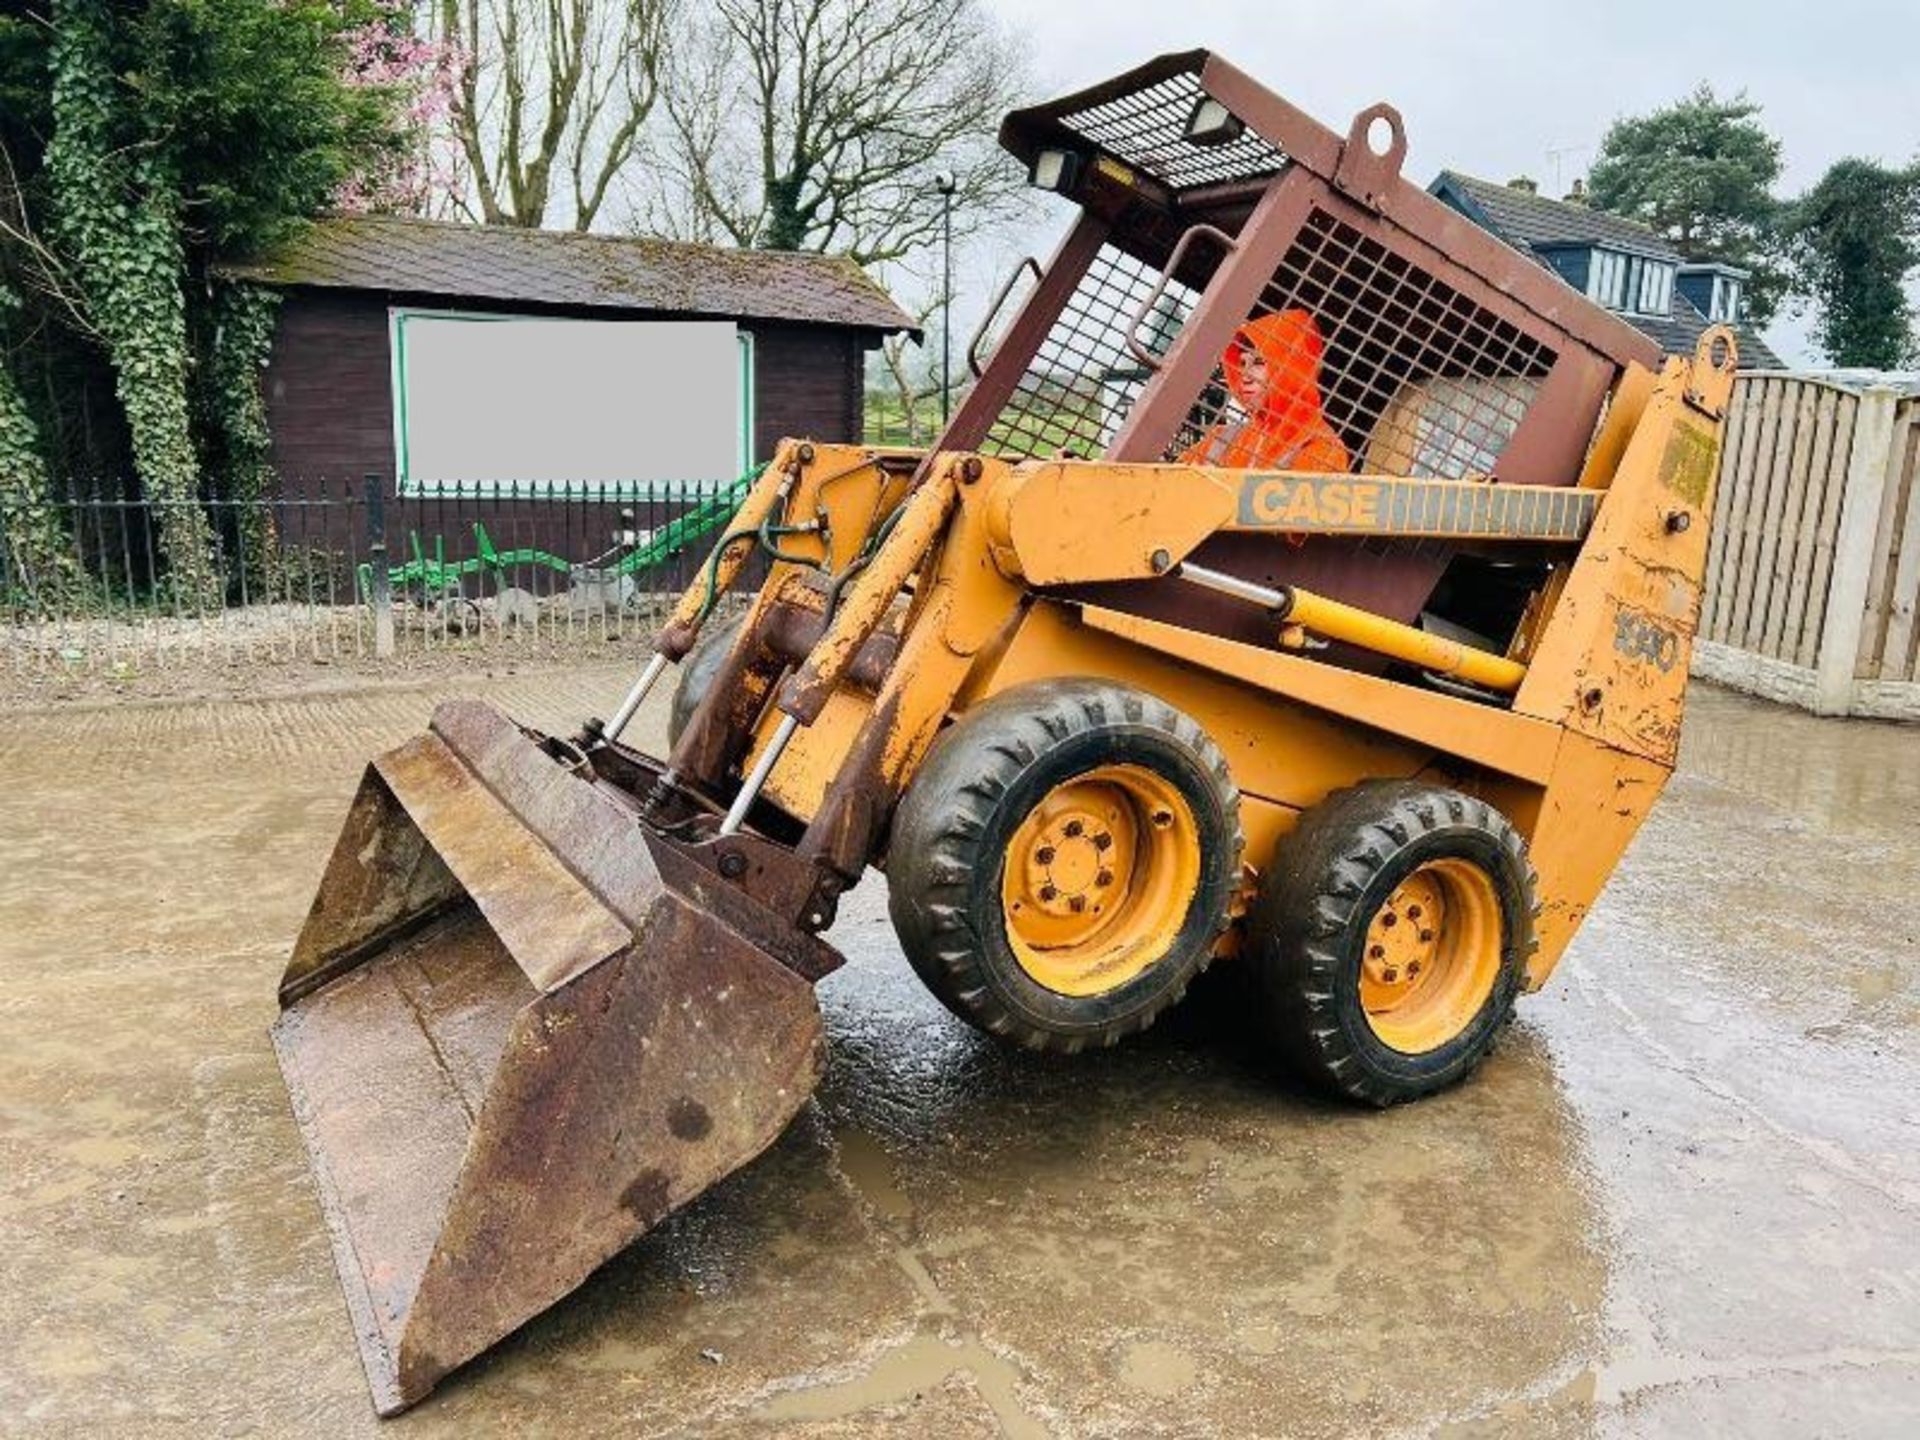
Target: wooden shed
[{"x": 352, "y": 286}]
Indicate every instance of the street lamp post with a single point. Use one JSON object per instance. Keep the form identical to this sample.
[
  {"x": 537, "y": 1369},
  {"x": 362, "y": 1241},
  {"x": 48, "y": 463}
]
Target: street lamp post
[{"x": 946, "y": 184}]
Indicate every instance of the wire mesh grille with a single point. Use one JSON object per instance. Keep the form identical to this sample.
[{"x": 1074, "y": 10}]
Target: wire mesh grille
[
  {"x": 1084, "y": 379},
  {"x": 1147, "y": 128},
  {"x": 1369, "y": 363}
]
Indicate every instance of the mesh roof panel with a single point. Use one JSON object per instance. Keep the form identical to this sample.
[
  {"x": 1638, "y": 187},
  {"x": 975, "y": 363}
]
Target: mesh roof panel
[{"x": 1147, "y": 129}]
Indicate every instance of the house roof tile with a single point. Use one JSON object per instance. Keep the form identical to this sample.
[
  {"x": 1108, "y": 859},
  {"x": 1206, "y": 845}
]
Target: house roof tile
[
  {"x": 1522, "y": 219},
  {"x": 1679, "y": 332},
  {"x": 1532, "y": 223}
]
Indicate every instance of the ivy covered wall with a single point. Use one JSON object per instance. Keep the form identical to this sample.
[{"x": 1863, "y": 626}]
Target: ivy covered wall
[
  {"x": 37, "y": 553},
  {"x": 117, "y": 214},
  {"x": 141, "y": 142}
]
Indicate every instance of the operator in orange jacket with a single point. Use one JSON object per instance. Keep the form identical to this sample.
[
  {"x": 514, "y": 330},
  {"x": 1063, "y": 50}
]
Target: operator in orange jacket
[{"x": 1273, "y": 370}]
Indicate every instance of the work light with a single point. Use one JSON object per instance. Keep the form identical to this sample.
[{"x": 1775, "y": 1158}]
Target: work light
[
  {"x": 1056, "y": 170},
  {"x": 1211, "y": 123}
]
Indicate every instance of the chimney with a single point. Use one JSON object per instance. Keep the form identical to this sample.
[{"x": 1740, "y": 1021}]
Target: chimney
[
  {"x": 1526, "y": 185},
  {"x": 1578, "y": 194}
]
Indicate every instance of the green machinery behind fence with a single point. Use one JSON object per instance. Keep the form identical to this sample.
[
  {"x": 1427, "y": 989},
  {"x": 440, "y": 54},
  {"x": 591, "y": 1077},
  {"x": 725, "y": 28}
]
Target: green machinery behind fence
[{"x": 434, "y": 576}]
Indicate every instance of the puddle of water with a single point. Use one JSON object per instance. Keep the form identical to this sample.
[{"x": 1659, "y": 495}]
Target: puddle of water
[
  {"x": 924, "y": 1284},
  {"x": 870, "y": 1170},
  {"x": 909, "y": 1369}
]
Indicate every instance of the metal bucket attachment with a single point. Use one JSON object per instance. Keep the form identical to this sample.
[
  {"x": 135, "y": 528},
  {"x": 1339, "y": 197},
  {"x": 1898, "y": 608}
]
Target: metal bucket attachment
[{"x": 513, "y": 1045}]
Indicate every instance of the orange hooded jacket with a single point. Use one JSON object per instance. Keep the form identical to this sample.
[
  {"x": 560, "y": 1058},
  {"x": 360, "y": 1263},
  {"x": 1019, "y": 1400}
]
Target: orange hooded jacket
[{"x": 1288, "y": 431}]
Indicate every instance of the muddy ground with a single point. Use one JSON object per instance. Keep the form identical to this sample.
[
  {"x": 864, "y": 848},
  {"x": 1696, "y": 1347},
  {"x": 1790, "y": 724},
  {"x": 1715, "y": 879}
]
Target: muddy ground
[{"x": 1683, "y": 1198}]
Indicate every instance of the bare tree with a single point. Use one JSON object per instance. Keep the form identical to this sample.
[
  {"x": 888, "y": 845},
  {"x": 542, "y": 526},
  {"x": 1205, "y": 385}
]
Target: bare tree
[
  {"x": 908, "y": 367},
  {"x": 38, "y": 266},
  {"x": 552, "y": 87},
  {"x": 818, "y": 125}
]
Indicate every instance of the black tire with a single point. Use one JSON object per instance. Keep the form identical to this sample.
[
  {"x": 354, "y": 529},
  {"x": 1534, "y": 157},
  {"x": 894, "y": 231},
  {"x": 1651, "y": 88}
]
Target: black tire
[
  {"x": 951, "y": 832},
  {"x": 697, "y": 670},
  {"x": 1308, "y": 933}
]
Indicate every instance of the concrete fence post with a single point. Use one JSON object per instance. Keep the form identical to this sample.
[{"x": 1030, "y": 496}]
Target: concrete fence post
[
  {"x": 1853, "y": 546},
  {"x": 382, "y": 585}
]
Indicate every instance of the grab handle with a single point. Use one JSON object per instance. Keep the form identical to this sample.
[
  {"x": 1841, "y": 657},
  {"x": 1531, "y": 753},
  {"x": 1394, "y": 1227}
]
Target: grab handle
[
  {"x": 993, "y": 310},
  {"x": 1225, "y": 241}
]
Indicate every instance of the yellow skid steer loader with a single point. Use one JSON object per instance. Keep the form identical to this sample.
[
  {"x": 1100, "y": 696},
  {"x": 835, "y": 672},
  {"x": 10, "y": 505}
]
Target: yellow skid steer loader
[{"x": 1307, "y": 579}]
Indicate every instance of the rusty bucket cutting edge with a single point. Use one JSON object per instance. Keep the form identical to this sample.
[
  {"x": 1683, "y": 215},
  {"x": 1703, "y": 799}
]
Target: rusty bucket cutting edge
[{"x": 512, "y": 1046}]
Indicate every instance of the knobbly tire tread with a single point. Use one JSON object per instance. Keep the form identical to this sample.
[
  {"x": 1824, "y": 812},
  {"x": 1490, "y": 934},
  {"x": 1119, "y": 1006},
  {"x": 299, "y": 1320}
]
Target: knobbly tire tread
[
  {"x": 1308, "y": 924},
  {"x": 948, "y": 842}
]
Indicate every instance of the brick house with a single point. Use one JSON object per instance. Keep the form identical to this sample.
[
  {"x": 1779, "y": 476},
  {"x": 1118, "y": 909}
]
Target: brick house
[{"x": 1616, "y": 262}]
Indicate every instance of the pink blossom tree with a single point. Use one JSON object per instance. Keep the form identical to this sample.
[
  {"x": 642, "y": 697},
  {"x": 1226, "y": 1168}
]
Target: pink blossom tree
[{"x": 425, "y": 174}]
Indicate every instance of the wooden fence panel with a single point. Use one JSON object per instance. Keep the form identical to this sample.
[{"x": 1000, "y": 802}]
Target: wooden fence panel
[
  {"x": 1776, "y": 513},
  {"x": 1729, "y": 493},
  {"x": 1888, "y": 638},
  {"x": 1906, "y": 597},
  {"x": 1711, "y": 603},
  {"x": 1783, "y": 583},
  {"x": 1786, "y": 642},
  {"x": 1833, "y": 483},
  {"x": 1758, "y": 473},
  {"x": 1812, "y": 588}
]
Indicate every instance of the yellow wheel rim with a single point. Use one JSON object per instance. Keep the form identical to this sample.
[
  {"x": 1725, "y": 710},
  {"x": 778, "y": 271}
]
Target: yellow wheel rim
[
  {"x": 1098, "y": 879},
  {"x": 1432, "y": 956}
]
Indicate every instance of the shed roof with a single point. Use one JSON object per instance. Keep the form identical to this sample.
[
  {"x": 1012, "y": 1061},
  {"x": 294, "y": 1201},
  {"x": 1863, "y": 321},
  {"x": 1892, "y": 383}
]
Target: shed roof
[
  {"x": 1538, "y": 221},
  {"x": 549, "y": 267}
]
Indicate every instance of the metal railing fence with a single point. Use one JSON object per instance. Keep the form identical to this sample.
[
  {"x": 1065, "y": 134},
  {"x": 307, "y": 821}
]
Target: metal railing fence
[{"x": 332, "y": 567}]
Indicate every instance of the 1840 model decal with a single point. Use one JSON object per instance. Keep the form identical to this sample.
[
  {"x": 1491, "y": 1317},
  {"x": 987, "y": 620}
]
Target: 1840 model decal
[{"x": 1639, "y": 637}]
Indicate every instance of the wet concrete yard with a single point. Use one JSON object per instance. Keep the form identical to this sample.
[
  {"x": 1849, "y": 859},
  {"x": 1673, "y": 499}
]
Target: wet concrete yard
[{"x": 1683, "y": 1198}]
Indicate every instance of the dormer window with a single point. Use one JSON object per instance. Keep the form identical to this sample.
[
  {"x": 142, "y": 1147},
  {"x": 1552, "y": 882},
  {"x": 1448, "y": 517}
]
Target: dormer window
[
  {"x": 1632, "y": 284},
  {"x": 1655, "y": 290},
  {"x": 1714, "y": 289},
  {"x": 1726, "y": 299},
  {"x": 1607, "y": 279}
]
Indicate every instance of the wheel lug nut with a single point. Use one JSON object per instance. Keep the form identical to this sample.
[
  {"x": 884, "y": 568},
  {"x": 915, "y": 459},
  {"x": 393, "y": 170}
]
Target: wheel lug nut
[
  {"x": 1044, "y": 854},
  {"x": 1377, "y": 952},
  {"x": 1105, "y": 877},
  {"x": 1074, "y": 827},
  {"x": 1102, "y": 841},
  {"x": 1413, "y": 967},
  {"x": 1047, "y": 892},
  {"x": 1163, "y": 818},
  {"x": 1427, "y": 936},
  {"x": 1391, "y": 976},
  {"x": 1077, "y": 904}
]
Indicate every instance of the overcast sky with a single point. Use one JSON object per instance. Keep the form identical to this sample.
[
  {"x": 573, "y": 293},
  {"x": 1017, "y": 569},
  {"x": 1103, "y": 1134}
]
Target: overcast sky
[{"x": 1492, "y": 87}]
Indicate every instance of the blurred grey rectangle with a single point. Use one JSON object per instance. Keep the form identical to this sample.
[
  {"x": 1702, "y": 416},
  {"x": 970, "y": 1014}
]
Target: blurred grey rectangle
[{"x": 509, "y": 399}]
